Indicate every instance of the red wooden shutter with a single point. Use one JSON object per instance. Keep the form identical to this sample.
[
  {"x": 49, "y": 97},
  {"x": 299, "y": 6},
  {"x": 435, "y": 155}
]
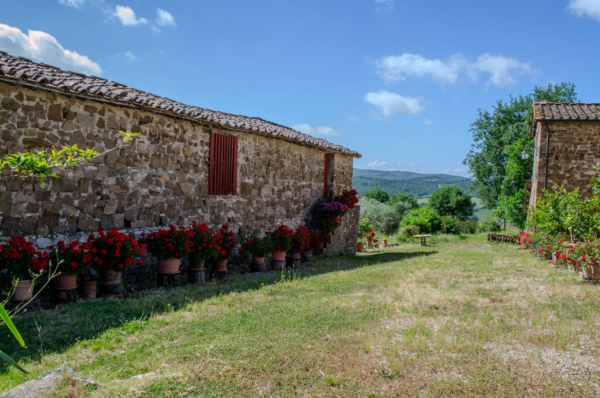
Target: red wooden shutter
[
  {"x": 325, "y": 169},
  {"x": 222, "y": 172}
]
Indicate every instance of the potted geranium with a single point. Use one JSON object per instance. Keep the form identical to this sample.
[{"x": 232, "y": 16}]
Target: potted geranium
[
  {"x": 300, "y": 242},
  {"x": 259, "y": 248},
  {"x": 281, "y": 239},
  {"x": 112, "y": 253},
  {"x": 370, "y": 236},
  {"x": 202, "y": 248},
  {"x": 224, "y": 245},
  {"x": 72, "y": 260},
  {"x": 316, "y": 242},
  {"x": 20, "y": 265},
  {"x": 336, "y": 209},
  {"x": 170, "y": 246}
]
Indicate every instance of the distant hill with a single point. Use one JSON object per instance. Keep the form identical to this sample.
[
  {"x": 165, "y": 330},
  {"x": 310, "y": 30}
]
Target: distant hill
[{"x": 420, "y": 185}]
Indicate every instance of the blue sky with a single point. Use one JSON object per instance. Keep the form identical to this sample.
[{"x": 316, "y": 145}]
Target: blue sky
[{"x": 399, "y": 81}]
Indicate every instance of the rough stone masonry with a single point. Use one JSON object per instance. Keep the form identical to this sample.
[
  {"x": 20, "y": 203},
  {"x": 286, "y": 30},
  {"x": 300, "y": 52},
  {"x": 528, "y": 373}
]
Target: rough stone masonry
[{"x": 159, "y": 179}]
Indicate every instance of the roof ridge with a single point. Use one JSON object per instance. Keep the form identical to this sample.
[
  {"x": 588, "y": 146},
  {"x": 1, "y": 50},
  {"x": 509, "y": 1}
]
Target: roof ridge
[{"x": 74, "y": 82}]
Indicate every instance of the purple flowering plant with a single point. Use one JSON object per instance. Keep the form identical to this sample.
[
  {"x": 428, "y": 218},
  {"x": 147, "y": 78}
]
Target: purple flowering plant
[{"x": 336, "y": 208}]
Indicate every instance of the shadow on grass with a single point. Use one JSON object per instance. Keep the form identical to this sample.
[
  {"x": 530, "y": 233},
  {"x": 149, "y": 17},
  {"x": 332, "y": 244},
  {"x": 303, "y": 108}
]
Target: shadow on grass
[{"x": 55, "y": 331}]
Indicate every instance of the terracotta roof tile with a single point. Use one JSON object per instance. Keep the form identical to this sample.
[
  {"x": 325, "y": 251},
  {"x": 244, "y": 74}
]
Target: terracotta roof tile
[
  {"x": 566, "y": 111},
  {"x": 50, "y": 77}
]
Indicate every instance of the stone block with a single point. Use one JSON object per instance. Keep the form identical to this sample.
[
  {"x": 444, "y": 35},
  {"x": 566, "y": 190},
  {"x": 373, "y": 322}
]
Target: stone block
[
  {"x": 29, "y": 225},
  {"x": 55, "y": 113},
  {"x": 11, "y": 228},
  {"x": 49, "y": 220},
  {"x": 119, "y": 221},
  {"x": 86, "y": 223},
  {"x": 106, "y": 223},
  {"x": 138, "y": 224},
  {"x": 10, "y": 104}
]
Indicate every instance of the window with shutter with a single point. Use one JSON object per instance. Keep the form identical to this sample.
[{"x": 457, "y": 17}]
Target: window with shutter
[{"x": 222, "y": 171}]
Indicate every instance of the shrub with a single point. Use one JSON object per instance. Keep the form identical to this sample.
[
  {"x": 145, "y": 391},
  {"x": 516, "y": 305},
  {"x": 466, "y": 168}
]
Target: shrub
[
  {"x": 490, "y": 225},
  {"x": 468, "y": 226},
  {"x": 425, "y": 218},
  {"x": 114, "y": 250},
  {"x": 384, "y": 217},
  {"x": 449, "y": 200},
  {"x": 407, "y": 232},
  {"x": 450, "y": 225}
]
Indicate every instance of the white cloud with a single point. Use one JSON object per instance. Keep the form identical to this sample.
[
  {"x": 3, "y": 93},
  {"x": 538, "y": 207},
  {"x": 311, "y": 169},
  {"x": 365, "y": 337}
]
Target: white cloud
[
  {"x": 591, "y": 8},
  {"x": 392, "y": 103},
  {"x": 501, "y": 69},
  {"x": 42, "y": 47},
  {"x": 385, "y": 5},
  {"x": 129, "y": 56},
  {"x": 399, "y": 163},
  {"x": 378, "y": 165},
  {"x": 128, "y": 18},
  {"x": 72, "y": 3},
  {"x": 399, "y": 67},
  {"x": 323, "y": 131},
  {"x": 354, "y": 118},
  {"x": 164, "y": 18},
  {"x": 428, "y": 123},
  {"x": 498, "y": 67}
]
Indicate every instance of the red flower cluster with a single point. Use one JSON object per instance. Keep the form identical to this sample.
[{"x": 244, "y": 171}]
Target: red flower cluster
[
  {"x": 523, "y": 239},
  {"x": 114, "y": 249},
  {"x": 331, "y": 223},
  {"x": 20, "y": 260},
  {"x": 316, "y": 239},
  {"x": 71, "y": 259},
  {"x": 256, "y": 246},
  {"x": 224, "y": 243},
  {"x": 301, "y": 239},
  {"x": 202, "y": 243},
  {"x": 349, "y": 198},
  {"x": 169, "y": 243},
  {"x": 369, "y": 235},
  {"x": 281, "y": 238}
]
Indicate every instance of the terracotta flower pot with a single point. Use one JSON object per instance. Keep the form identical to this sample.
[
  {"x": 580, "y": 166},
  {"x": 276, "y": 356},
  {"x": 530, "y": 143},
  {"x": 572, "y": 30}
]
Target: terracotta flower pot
[
  {"x": 65, "y": 282},
  {"x": 23, "y": 291},
  {"x": 258, "y": 264},
  {"x": 220, "y": 266},
  {"x": 279, "y": 256},
  {"x": 197, "y": 266},
  {"x": 87, "y": 290},
  {"x": 385, "y": 243},
  {"x": 168, "y": 266},
  {"x": 359, "y": 247},
  {"x": 307, "y": 254},
  {"x": 110, "y": 276},
  {"x": 258, "y": 260},
  {"x": 295, "y": 254},
  {"x": 591, "y": 271},
  {"x": 370, "y": 242}
]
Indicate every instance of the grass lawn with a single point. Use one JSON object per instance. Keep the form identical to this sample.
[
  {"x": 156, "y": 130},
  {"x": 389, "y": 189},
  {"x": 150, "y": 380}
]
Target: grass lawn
[{"x": 461, "y": 318}]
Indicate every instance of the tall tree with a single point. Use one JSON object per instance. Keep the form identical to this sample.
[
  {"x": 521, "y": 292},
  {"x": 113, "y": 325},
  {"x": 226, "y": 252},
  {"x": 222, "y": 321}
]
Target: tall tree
[
  {"x": 450, "y": 200},
  {"x": 378, "y": 194},
  {"x": 408, "y": 198},
  {"x": 494, "y": 132}
]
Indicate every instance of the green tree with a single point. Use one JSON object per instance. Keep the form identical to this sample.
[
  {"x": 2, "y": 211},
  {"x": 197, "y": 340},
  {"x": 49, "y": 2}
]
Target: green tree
[
  {"x": 450, "y": 200},
  {"x": 425, "y": 218},
  {"x": 494, "y": 131},
  {"x": 404, "y": 197},
  {"x": 378, "y": 194}
]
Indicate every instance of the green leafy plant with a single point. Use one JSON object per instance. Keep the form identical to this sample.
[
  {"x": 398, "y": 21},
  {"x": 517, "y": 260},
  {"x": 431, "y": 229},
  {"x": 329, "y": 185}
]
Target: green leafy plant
[
  {"x": 425, "y": 218},
  {"x": 43, "y": 164}
]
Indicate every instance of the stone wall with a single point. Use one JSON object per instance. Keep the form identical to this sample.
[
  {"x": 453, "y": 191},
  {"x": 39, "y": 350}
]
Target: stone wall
[
  {"x": 573, "y": 150},
  {"x": 160, "y": 179}
]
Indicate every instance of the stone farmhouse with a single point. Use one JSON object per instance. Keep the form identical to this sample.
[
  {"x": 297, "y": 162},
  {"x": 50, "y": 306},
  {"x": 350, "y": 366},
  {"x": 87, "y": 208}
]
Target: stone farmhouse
[
  {"x": 189, "y": 163},
  {"x": 567, "y": 148}
]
